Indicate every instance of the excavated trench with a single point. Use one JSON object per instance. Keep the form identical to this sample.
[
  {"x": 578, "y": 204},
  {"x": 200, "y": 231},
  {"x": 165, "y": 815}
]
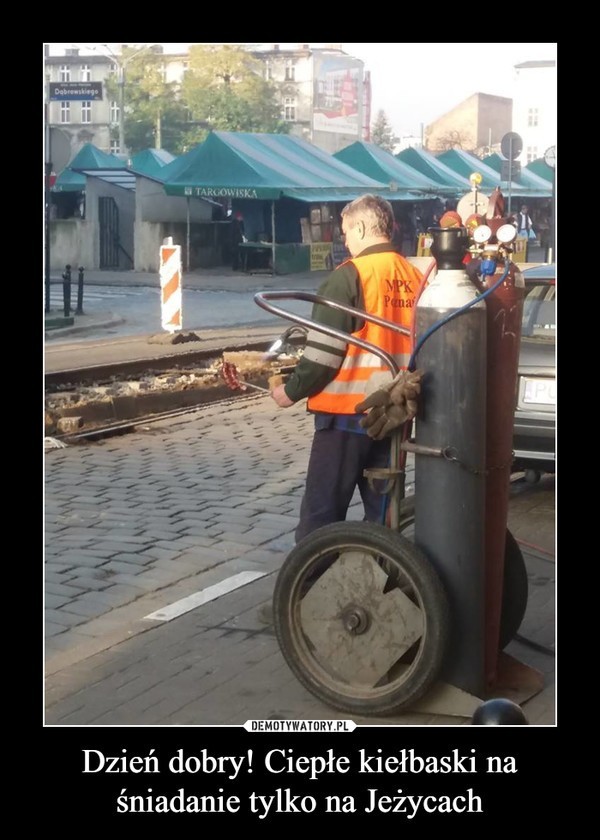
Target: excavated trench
[{"x": 72, "y": 408}]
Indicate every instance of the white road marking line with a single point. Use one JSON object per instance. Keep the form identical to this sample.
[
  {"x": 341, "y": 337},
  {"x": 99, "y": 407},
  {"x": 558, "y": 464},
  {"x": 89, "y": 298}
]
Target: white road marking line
[{"x": 211, "y": 593}]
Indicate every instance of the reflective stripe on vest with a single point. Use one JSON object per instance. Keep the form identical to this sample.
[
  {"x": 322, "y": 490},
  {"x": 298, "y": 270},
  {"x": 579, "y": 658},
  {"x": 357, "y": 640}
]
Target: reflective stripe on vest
[{"x": 389, "y": 285}]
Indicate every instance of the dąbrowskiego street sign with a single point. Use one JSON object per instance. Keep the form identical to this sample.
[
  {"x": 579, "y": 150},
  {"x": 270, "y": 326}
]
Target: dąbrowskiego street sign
[{"x": 68, "y": 91}]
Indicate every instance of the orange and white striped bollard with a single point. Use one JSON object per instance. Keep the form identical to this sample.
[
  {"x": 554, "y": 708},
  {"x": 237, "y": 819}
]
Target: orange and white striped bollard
[{"x": 170, "y": 285}]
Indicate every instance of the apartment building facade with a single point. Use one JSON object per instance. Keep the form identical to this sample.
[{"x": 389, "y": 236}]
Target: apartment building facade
[
  {"x": 81, "y": 120},
  {"x": 535, "y": 107},
  {"x": 324, "y": 94}
]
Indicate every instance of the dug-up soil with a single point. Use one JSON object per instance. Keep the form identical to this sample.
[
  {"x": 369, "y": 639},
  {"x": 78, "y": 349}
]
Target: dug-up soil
[{"x": 75, "y": 409}]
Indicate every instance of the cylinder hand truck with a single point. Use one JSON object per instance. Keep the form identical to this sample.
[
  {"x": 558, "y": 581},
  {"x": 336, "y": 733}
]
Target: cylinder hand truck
[{"x": 360, "y": 613}]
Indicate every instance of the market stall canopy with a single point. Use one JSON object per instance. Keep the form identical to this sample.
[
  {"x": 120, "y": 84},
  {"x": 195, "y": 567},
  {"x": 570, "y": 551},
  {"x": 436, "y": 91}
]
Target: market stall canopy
[
  {"x": 375, "y": 162},
  {"x": 69, "y": 181},
  {"x": 429, "y": 165},
  {"x": 95, "y": 163},
  {"x": 541, "y": 168},
  {"x": 243, "y": 165},
  {"x": 538, "y": 187},
  {"x": 151, "y": 163},
  {"x": 465, "y": 164}
]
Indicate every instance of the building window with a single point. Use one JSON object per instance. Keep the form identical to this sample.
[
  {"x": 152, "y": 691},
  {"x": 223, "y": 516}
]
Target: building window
[
  {"x": 289, "y": 109},
  {"x": 114, "y": 112},
  {"x": 532, "y": 153},
  {"x": 290, "y": 71},
  {"x": 65, "y": 73},
  {"x": 115, "y": 149},
  {"x": 86, "y": 112},
  {"x": 532, "y": 117},
  {"x": 65, "y": 112},
  {"x": 268, "y": 71},
  {"x": 85, "y": 73}
]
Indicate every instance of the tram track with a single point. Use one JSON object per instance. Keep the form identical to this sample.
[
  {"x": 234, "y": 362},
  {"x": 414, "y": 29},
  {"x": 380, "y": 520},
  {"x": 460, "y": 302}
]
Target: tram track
[
  {"x": 97, "y": 401},
  {"x": 111, "y": 371},
  {"x": 127, "y": 426}
]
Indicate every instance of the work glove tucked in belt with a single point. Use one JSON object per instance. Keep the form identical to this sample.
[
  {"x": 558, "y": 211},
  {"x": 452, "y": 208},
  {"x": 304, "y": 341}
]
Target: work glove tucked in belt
[{"x": 392, "y": 405}]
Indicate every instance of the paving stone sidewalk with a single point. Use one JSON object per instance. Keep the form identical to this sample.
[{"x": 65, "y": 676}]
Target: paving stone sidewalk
[{"x": 137, "y": 522}]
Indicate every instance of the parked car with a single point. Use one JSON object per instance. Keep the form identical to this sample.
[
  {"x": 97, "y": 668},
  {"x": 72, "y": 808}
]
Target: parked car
[{"x": 535, "y": 413}]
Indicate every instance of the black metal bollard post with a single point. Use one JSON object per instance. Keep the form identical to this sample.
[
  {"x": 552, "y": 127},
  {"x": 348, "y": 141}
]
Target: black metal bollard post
[
  {"x": 79, "y": 310},
  {"x": 67, "y": 291}
]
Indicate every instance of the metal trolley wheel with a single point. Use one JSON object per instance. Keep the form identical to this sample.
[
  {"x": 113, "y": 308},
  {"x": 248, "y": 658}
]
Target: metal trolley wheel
[
  {"x": 361, "y": 617},
  {"x": 515, "y": 585}
]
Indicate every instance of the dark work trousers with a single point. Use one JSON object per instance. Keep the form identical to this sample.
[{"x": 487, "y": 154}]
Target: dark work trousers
[{"x": 335, "y": 469}]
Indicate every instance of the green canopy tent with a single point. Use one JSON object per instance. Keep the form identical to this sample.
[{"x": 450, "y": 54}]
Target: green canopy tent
[
  {"x": 541, "y": 168},
  {"x": 465, "y": 164},
  {"x": 539, "y": 188},
  {"x": 69, "y": 181},
  {"x": 375, "y": 162},
  {"x": 150, "y": 162},
  {"x": 430, "y": 166},
  {"x": 95, "y": 163},
  {"x": 244, "y": 168},
  {"x": 263, "y": 166}
]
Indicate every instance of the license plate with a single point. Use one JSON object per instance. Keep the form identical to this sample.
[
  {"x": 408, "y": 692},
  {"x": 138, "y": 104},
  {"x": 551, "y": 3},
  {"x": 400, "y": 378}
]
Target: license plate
[{"x": 538, "y": 391}]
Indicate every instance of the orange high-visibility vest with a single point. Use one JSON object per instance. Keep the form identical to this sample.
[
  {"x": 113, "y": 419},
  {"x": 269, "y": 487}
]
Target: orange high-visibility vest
[{"x": 389, "y": 284}]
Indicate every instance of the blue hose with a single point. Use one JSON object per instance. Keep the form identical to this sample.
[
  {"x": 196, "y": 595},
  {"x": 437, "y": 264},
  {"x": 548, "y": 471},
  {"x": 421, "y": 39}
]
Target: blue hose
[{"x": 427, "y": 334}]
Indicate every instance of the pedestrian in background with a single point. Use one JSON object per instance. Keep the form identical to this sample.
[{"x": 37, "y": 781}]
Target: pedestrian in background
[
  {"x": 237, "y": 236},
  {"x": 333, "y": 375},
  {"x": 523, "y": 223}
]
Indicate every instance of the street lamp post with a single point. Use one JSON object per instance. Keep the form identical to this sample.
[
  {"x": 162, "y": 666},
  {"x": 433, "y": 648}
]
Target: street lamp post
[
  {"x": 121, "y": 64},
  {"x": 121, "y": 72}
]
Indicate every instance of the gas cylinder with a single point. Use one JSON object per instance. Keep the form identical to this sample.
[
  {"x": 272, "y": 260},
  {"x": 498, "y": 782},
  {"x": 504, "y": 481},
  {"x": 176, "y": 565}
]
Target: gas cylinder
[
  {"x": 450, "y": 451},
  {"x": 504, "y": 315}
]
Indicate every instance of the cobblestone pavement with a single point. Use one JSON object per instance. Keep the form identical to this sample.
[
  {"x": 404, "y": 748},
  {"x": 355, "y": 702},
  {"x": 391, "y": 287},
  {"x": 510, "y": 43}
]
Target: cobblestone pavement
[{"x": 138, "y": 522}]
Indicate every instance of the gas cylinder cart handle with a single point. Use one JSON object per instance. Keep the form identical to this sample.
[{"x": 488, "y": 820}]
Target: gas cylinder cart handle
[
  {"x": 395, "y": 488},
  {"x": 262, "y": 298}
]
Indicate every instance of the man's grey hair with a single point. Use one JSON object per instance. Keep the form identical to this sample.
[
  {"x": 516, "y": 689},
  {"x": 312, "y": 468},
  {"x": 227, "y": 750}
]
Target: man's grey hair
[{"x": 374, "y": 211}]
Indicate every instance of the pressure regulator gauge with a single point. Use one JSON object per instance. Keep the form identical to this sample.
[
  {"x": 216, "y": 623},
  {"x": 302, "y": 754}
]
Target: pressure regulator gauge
[
  {"x": 506, "y": 233},
  {"x": 482, "y": 234}
]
